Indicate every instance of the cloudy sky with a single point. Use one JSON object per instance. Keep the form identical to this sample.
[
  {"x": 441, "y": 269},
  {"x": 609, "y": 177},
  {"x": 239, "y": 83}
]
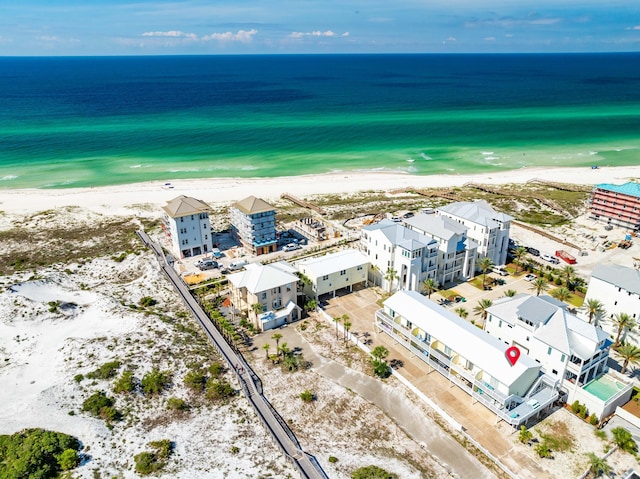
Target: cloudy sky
[{"x": 118, "y": 27}]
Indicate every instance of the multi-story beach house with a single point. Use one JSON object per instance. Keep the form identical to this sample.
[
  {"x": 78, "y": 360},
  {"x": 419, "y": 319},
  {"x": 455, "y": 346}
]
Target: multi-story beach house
[
  {"x": 273, "y": 287},
  {"x": 468, "y": 357},
  {"x": 331, "y": 272},
  {"x": 253, "y": 223},
  {"x": 618, "y": 289},
  {"x": 187, "y": 227},
  {"x": 569, "y": 349},
  {"x": 616, "y": 204},
  {"x": 410, "y": 256},
  {"x": 487, "y": 227},
  {"x": 456, "y": 251}
]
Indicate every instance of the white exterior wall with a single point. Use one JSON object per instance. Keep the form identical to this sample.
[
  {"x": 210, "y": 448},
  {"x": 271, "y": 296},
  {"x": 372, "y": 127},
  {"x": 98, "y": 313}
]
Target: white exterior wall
[
  {"x": 190, "y": 234},
  {"x": 336, "y": 280},
  {"x": 454, "y": 264},
  {"x": 412, "y": 267},
  {"x": 615, "y": 300}
]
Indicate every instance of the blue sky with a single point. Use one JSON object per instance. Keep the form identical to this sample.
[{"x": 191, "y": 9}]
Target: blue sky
[{"x": 117, "y": 27}]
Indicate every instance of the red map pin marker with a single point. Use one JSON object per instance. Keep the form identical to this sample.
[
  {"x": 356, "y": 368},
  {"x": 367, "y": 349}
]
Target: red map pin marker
[{"x": 513, "y": 354}]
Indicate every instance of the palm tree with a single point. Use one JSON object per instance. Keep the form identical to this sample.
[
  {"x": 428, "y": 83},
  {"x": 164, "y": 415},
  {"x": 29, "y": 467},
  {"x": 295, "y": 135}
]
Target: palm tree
[
  {"x": 379, "y": 353},
  {"x": 277, "y": 337},
  {"x": 429, "y": 285},
  {"x": 284, "y": 350},
  {"x": 598, "y": 465},
  {"x": 561, "y": 294},
  {"x": 336, "y": 320},
  {"x": 257, "y": 308},
  {"x": 391, "y": 275},
  {"x": 481, "y": 308},
  {"x": 266, "y": 348},
  {"x": 568, "y": 272},
  {"x": 485, "y": 264},
  {"x": 623, "y": 321},
  {"x": 510, "y": 293},
  {"x": 630, "y": 354},
  {"x": 347, "y": 327},
  {"x": 595, "y": 308},
  {"x": 463, "y": 313},
  {"x": 518, "y": 256},
  {"x": 539, "y": 285}
]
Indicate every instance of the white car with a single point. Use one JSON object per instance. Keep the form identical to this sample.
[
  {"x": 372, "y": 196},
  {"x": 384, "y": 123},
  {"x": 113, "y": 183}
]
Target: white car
[
  {"x": 291, "y": 247},
  {"x": 530, "y": 277}
]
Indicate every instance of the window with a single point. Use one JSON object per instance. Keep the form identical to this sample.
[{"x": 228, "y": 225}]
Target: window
[
  {"x": 549, "y": 351},
  {"x": 206, "y": 236},
  {"x": 325, "y": 277},
  {"x": 554, "y": 372},
  {"x": 447, "y": 350},
  {"x": 264, "y": 295},
  {"x": 359, "y": 267},
  {"x": 343, "y": 272}
]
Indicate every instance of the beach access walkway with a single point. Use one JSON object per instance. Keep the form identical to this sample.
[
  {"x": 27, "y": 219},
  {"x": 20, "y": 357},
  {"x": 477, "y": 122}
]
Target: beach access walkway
[{"x": 307, "y": 465}]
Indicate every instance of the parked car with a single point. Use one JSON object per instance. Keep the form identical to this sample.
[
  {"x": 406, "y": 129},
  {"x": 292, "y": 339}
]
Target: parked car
[
  {"x": 532, "y": 251},
  {"x": 291, "y": 247},
  {"x": 530, "y": 277},
  {"x": 236, "y": 265},
  {"x": 208, "y": 264},
  {"x": 500, "y": 270},
  {"x": 216, "y": 253}
]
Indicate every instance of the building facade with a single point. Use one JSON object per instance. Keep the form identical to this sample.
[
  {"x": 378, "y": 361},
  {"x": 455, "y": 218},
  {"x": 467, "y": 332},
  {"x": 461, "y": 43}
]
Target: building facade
[
  {"x": 616, "y": 204},
  {"x": 569, "y": 349},
  {"x": 456, "y": 252},
  {"x": 410, "y": 254},
  {"x": 273, "y": 287},
  {"x": 253, "y": 223},
  {"x": 468, "y": 357},
  {"x": 187, "y": 227},
  {"x": 488, "y": 228},
  {"x": 334, "y": 271},
  {"x": 618, "y": 289}
]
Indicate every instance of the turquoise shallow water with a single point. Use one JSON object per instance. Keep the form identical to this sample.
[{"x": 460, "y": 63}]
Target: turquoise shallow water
[{"x": 69, "y": 122}]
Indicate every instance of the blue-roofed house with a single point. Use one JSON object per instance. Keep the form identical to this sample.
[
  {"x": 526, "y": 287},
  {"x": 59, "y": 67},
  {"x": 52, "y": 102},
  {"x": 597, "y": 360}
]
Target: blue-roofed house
[{"x": 618, "y": 205}]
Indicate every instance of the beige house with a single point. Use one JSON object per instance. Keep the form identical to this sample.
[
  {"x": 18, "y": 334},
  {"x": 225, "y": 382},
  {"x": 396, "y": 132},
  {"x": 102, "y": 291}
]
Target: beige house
[
  {"x": 335, "y": 271},
  {"x": 271, "y": 286}
]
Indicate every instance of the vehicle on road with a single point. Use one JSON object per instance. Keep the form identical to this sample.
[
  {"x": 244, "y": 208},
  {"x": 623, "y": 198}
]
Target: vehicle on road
[
  {"x": 291, "y": 247},
  {"x": 532, "y": 251},
  {"x": 236, "y": 265},
  {"x": 530, "y": 277},
  {"x": 207, "y": 264}
]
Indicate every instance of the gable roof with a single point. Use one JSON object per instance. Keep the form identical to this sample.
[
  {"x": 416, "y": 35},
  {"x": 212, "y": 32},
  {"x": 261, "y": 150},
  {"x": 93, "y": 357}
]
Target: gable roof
[
  {"x": 478, "y": 211},
  {"x": 257, "y": 277},
  {"x": 400, "y": 235},
  {"x": 620, "y": 276},
  {"x": 483, "y": 350},
  {"x": 436, "y": 225},
  {"x": 252, "y": 205},
  {"x": 553, "y": 324},
  {"x": 630, "y": 188},
  {"x": 184, "y": 206},
  {"x": 332, "y": 263}
]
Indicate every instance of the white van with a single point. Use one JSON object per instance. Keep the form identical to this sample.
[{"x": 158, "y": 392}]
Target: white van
[
  {"x": 236, "y": 265},
  {"x": 500, "y": 270}
]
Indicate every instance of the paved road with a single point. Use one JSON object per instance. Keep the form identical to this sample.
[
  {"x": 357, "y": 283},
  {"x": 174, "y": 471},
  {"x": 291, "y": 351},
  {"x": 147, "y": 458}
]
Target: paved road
[{"x": 250, "y": 382}]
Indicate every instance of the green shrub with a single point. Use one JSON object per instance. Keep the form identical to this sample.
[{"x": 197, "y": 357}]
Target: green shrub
[
  {"x": 575, "y": 407},
  {"x": 216, "y": 369},
  {"x": 381, "y": 369},
  {"x": 147, "y": 302},
  {"x": 624, "y": 439},
  {"x": 125, "y": 383},
  {"x": 218, "y": 389},
  {"x": 106, "y": 371},
  {"x": 37, "y": 453},
  {"x": 177, "y": 404},
  {"x": 148, "y": 462},
  {"x": 543, "y": 450},
  {"x": 333, "y": 459},
  {"x": 525, "y": 435},
  {"x": 78, "y": 377},
  {"x": 235, "y": 449},
  {"x": 155, "y": 381},
  {"x": 195, "y": 380},
  {"x": 307, "y": 396},
  {"x": 372, "y": 472},
  {"x": 95, "y": 402},
  {"x": 163, "y": 448},
  {"x": 593, "y": 419}
]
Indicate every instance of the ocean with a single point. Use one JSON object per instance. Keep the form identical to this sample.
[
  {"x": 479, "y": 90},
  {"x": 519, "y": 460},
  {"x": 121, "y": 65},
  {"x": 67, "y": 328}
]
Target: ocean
[{"x": 92, "y": 121}]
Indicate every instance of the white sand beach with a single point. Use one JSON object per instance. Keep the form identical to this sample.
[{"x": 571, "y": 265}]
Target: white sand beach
[{"x": 215, "y": 190}]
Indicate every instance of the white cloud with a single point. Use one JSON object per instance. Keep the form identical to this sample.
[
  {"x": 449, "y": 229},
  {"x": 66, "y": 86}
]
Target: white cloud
[
  {"x": 637, "y": 27},
  {"x": 451, "y": 39},
  {"x": 509, "y": 35},
  {"x": 317, "y": 33},
  {"x": 490, "y": 39},
  {"x": 171, "y": 34},
  {"x": 244, "y": 36}
]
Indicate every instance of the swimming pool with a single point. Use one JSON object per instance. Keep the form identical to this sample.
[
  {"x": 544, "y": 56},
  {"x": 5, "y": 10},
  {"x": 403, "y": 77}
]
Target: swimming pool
[{"x": 604, "y": 387}]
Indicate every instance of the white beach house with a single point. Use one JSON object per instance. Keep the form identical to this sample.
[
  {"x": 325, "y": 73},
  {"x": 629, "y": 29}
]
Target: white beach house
[
  {"x": 273, "y": 287},
  {"x": 456, "y": 251},
  {"x": 487, "y": 227},
  {"x": 468, "y": 357},
  {"x": 410, "y": 254},
  {"x": 334, "y": 271},
  {"x": 187, "y": 227}
]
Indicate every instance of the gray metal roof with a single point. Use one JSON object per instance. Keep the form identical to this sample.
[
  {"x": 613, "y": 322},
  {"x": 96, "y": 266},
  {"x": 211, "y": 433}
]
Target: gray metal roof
[
  {"x": 436, "y": 225},
  {"x": 477, "y": 211},
  {"x": 400, "y": 235},
  {"x": 620, "y": 276}
]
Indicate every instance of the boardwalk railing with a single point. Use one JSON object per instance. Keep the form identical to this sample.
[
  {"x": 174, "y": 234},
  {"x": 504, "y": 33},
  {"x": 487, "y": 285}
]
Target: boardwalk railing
[{"x": 307, "y": 465}]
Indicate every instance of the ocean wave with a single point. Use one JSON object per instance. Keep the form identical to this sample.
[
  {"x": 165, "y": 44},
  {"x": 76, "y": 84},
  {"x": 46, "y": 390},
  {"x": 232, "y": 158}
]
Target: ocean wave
[
  {"x": 492, "y": 158},
  {"x": 135, "y": 166},
  {"x": 425, "y": 157},
  {"x": 485, "y": 153},
  {"x": 8, "y": 178},
  {"x": 184, "y": 170}
]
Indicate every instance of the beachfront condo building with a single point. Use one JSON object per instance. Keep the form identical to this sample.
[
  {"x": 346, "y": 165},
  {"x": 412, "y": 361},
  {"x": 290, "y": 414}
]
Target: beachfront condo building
[
  {"x": 487, "y": 227},
  {"x": 570, "y": 350},
  {"x": 187, "y": 227},
  {"x": 456, "y": 251},
  {"x": 335, "y": 271},
  {"x": 468, "y": 357},
  {"x": 273, "y": 287},
  {"x": 401, "y": 258},
  {"x": 617, "y": 205},
  {"x": 253, "y": 224},
  {"x": 618, "y": 289}
]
